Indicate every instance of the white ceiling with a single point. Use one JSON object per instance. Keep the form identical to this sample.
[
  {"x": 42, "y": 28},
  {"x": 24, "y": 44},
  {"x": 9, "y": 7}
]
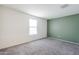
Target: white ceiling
[{"x": 47, "y": 11}]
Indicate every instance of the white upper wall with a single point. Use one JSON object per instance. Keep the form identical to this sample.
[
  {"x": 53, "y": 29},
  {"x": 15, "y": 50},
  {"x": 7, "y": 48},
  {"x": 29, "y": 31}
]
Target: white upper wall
[
  {"x": 14, "y": 27},
  {"x": 47, "y": 11}
]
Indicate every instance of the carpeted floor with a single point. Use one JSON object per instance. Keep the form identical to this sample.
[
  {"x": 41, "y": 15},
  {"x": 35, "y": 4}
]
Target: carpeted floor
[{"x": 43, "y": 47}]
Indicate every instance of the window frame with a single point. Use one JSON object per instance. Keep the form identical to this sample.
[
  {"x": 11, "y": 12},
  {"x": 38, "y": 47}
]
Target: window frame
[{"x": 33, "y": 27}]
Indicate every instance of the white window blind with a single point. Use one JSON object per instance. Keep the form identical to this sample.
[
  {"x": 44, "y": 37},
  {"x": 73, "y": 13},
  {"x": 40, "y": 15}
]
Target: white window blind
[{"x": 32, "y": 27}]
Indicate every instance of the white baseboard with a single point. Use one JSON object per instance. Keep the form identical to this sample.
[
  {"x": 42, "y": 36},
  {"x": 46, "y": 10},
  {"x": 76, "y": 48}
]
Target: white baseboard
[{"x": 66, "y": 41}]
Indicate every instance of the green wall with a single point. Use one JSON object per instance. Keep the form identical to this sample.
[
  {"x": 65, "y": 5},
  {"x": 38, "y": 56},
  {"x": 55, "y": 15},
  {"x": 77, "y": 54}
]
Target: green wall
[{"x": 66, "y": 28}]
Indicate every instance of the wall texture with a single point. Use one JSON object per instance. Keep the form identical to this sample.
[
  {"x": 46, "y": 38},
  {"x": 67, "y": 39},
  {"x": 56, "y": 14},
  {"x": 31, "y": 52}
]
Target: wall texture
[
  {"x": 14, "y": 27},
  {"x": 66, "y": 28}
]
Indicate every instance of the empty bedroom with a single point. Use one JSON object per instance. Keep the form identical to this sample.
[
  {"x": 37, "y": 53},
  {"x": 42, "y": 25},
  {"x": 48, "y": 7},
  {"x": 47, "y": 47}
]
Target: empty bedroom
[{"x": 39, "y": 29}]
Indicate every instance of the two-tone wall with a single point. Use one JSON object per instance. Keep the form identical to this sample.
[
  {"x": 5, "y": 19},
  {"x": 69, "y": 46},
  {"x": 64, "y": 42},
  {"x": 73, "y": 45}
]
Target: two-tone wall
[
  {"x": 14, "y": 27},
  {"x": 66, "y": 28}
]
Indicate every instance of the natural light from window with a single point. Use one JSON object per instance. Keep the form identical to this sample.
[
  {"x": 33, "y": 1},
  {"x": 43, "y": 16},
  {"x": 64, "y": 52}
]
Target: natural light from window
[{"x": 32, "y": 27}]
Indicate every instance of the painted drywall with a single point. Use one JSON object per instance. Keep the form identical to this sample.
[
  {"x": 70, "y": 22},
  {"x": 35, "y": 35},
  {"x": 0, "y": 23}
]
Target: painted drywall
[
  {"x": 66, "y": 28},
  {"x": 14, "y": 27}
]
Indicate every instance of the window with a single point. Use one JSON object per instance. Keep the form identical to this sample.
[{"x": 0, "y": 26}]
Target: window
[{"x": 32, "y": 27}]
